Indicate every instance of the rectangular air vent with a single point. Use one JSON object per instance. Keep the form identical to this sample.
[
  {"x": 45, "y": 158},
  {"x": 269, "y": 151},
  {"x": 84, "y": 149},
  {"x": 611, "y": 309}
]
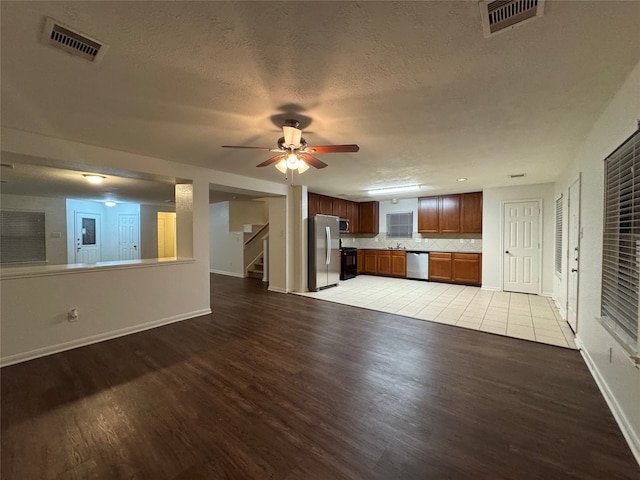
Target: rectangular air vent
[
  {"x": 500, "y": 15},
  {"x": 72, "y": 41}
]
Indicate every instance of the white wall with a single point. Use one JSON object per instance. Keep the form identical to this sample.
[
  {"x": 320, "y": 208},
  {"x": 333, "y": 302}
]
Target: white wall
[
  {"x": 246, "y": 212},
  {"x": 111, "y": 301},
  {"x": 618, "y": 378},
  {"x": 492, "y": 252},
  {"x": 54, "y": 222},
  {"x": 279, "y": 264},
  {"x": 226, "y": 248}
]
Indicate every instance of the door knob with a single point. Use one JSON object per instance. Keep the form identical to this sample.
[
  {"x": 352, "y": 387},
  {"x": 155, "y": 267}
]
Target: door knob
[
  {"x": 574, "y": 270},
  {"x": 507, "y": 252}
]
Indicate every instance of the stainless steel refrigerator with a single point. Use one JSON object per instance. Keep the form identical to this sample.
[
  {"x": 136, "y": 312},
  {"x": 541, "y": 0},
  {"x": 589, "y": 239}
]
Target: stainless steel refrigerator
[{"x": 324, "y": 252}]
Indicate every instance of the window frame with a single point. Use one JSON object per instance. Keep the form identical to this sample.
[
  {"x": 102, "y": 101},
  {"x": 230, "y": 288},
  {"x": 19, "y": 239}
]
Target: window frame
[{"x": 408, "y": 225}]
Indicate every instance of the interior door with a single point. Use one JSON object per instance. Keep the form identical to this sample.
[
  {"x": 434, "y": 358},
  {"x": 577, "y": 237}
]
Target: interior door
[
  {"x": 573, "y": 254},
  {"x": 128, "y": 236},
  {"x": 521, "y": 234},
  {"x": 87, "y": 237}
]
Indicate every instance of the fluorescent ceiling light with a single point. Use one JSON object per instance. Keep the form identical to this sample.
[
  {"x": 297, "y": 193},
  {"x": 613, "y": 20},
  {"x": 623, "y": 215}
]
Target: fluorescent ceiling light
[
  {"x": 95, "y": 179},
  {"x": 110, "y": 203},
  {"x": 384, "y": 191}
]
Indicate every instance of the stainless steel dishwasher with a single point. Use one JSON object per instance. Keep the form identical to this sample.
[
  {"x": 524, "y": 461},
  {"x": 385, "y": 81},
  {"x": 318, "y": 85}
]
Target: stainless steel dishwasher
[{"x": 418, "y": 265}]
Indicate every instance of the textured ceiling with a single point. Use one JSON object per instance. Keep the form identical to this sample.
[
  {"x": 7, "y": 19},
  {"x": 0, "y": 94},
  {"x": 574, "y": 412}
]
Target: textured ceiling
[{"x": 415, "y": 84}]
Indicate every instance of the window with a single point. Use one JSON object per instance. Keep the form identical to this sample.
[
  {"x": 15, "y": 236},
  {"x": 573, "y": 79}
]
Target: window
[
  {"x": 621, "y": 243},
  {"x": 559, "y": 235},
  {"x": 22, "y": 237},
  {"x": 399, "y": 225}
]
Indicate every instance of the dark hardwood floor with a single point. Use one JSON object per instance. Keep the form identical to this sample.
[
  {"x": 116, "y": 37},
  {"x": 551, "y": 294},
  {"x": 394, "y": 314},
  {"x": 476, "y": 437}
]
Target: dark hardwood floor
[{"x": 286, "y": 387}]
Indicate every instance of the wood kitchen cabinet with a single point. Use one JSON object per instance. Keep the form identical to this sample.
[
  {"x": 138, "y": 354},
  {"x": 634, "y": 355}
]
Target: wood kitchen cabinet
[
  {"x": 339, "y": 207},
  {"x": 398, "y": 264},
  {"x": 353, "y": 214},
  {"x": 459, "y": 213},
  {"x": 428, "y": 215},
  {"x": 467, "y": 268},
  {"x": 389, "y": 263},
  {"x": 313, "y": 204},
  {"x": 384, "y": 262},
  {"x": 370, "y": 262},
  {"x": 440, "y": 267},
  {"x": 449, "y": 213},
  {"x": 471, "y": 212},
  {"x": 368, "y": 221},
  {"x": 326, "y": 205},
  {"x": 462, "y": 268}
]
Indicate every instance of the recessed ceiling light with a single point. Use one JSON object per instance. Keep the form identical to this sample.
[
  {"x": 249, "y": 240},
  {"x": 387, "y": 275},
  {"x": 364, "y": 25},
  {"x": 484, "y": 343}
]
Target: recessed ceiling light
[
  {"x": 110, "y": 203},
  {"x": 94, "y": 179},
  {"x": 385, "y": 191},
  {"x": 461, "y": 179}
]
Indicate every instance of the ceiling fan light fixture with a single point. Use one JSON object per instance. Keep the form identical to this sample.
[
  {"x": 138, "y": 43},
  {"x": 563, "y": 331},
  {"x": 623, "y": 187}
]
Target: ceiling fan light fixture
[
  {"x": 302, "y": 166},
  {"x": 292, "y": 160},
  {"x": 388, "y": 190},
  {"x": 282, "y": 165}
]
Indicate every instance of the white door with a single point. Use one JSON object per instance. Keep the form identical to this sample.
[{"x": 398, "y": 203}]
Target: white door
[
  {"x": 87, "y": 237},
  {"x": 128, "y": 236},
  {"x": 573, "y": 254},
  {"x": 521, "y": 234}
]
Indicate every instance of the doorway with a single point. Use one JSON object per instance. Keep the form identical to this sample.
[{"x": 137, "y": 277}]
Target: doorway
[
  {"x": 128, "y": 236},
  {"x": 573, "y": 254},
  {"x": 521, "y": 242},
  {"x": 166, "y": 234},
  {"x": 87, "y": 237}
]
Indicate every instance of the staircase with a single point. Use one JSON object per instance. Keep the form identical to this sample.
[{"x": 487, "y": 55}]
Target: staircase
[
  {"x": 256, "y": 269},
  {"x": 255, "y": 245}
]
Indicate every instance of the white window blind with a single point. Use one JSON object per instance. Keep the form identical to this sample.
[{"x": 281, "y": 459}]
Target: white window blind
[
  {"x": 22, "y": 237},
  {"x": 399, "y": 225},
  {"x": 559, "y": 235},
  {"x": 621, "y": 241}
]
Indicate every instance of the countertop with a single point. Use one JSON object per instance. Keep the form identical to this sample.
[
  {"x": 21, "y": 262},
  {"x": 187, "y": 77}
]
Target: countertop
[{"x": 413, "y": 250}]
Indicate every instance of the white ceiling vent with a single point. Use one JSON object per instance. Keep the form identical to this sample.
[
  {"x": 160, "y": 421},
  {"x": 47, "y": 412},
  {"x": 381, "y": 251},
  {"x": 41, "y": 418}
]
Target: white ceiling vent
[
  {"x": 72, "y": 41},
  {"x": 500, "y": 15}
]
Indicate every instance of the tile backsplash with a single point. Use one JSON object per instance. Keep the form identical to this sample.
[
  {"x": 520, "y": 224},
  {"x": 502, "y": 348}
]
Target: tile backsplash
[{"x": 424, "y": 243}]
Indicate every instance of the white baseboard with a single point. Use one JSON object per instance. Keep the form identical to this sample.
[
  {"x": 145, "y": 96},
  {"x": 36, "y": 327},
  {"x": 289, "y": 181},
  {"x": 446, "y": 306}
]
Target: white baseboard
[
  {"x": 546, "y": 294},
  {"x": 561, "y": 309},
  {"x": 81, "y": 342},
  {"x": 627, "y": 430},
  {"x": 276, "y": 289},
  {"x": 491, "y": 289},
  {"x": 230, "y": 274}
]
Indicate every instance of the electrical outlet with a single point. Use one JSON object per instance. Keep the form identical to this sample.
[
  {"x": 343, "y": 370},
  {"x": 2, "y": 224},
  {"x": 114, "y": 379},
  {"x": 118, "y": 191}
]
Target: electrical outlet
[
  {"x": 418, "y": 240},
  {"x": 72, "y": 315}
]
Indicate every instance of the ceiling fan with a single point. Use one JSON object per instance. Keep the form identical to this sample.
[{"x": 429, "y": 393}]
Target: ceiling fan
[{"x": 293, "y": 151}]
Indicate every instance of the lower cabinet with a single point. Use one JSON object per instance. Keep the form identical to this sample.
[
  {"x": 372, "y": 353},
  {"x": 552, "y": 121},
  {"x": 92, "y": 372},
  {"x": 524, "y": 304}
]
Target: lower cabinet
[
  {"x": 462, "y": 268},
  {"x": 382, "y": 262}
]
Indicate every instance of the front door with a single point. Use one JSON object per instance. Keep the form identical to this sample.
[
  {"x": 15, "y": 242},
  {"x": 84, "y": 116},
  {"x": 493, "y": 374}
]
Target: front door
[
  {"x": 128, "y": 235},
  {"x": 521, "y": 234},
  {"x": 573, "y": 246},
  {"x": 87, "y": 237}
]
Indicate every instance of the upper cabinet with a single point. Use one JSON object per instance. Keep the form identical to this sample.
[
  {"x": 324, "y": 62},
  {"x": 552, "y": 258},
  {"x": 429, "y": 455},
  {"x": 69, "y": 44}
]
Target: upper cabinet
[
  {"x": 471, "y": 212},
  {"x": 449, "y": 213},
  {"x": 369, "y": 213},
  {"x": 459, "y": 213},
  {"x": 339, "y": 207},
  {"x": 428, "y": 215}
]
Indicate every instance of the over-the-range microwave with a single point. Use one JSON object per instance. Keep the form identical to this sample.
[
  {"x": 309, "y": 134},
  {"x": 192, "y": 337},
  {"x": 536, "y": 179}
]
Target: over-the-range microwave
[{"x": 344, "y": 225}]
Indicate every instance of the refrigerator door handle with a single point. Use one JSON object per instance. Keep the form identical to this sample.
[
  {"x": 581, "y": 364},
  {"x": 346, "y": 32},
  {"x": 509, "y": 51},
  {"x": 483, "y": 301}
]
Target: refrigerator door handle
[{"x": 328, "y": 245}]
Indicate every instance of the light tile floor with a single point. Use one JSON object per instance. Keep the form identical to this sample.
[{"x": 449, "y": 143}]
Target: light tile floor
[{"x": 518, "y": 315}]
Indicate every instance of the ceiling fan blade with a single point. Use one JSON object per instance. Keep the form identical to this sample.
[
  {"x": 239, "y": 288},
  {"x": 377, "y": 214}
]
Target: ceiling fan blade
[
  {"x": 313, "y": 161},
  {"x": 333, "y": 148},
  {"x": 253, "y": 148},
  {"x": 270, "y": 161}
]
